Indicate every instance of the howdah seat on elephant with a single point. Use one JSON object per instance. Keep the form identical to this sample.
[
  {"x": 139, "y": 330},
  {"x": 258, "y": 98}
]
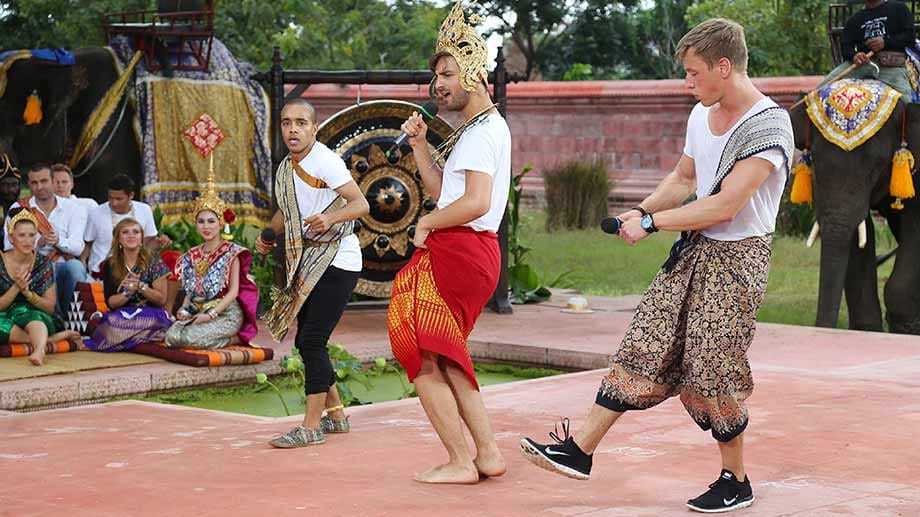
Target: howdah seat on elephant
[{"x": 177, "y": 35}]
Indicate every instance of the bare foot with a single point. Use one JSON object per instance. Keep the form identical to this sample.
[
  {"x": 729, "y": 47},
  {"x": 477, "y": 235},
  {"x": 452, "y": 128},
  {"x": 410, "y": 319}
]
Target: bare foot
[
  {"x": 449, "y": 473},
  {"x": 490, "y": 465},
  {"x": 70, "y": 335},
  {"x": 37, "y": 357}
]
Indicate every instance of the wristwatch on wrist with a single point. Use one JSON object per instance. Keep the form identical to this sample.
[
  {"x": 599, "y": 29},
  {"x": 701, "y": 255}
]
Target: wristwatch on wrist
[
  {"x": 639, "y": 209},
  {"x": 648, "y": 224}
]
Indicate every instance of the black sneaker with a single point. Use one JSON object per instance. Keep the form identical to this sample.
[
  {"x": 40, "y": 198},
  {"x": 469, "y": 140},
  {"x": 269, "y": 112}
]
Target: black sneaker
[
  {"x": 563, "y": 457},
  {"x": 724, "y": 495}
]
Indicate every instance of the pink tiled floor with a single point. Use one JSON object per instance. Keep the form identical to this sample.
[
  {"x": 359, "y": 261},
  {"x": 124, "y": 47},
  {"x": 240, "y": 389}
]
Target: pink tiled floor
[{"x": 834, "y": 420}]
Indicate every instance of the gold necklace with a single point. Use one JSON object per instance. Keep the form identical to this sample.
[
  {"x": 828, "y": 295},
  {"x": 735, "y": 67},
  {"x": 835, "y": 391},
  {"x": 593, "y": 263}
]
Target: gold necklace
[
  {"x": 202, "y": 266},
  {"x": 448, "y": 144}
]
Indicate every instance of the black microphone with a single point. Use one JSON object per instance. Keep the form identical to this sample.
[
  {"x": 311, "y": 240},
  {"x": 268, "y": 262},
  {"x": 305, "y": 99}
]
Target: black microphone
[
  {"x": 268, "y": 236},
  {"x": 428, "y": 111},
  {"x": 611, "y": 225}
]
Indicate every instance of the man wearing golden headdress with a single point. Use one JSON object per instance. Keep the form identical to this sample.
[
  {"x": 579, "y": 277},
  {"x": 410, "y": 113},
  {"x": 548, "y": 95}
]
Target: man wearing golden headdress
[
  {"x": 318, "y": 202},
  {"x": 439, "y": 295}
]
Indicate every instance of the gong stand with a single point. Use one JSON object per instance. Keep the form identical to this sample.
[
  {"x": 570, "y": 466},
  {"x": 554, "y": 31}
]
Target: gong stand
[{"x": 277, "y": 77}]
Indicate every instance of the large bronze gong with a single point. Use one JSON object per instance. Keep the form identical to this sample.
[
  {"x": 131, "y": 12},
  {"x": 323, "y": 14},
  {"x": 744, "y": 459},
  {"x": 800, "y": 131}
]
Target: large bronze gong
[{"x": 361, "y": 135}]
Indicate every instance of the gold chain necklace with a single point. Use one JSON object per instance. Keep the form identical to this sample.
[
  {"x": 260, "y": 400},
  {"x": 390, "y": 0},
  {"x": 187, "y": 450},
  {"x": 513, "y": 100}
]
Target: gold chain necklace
[
  {"x": 206, "y": 260},
  {"x": 448, "y": 144}
]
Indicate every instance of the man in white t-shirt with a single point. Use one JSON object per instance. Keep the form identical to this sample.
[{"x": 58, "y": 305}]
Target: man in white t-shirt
[
  {"x": 439, "y": 295},
  {"x": 318, "y": 202},
  {"x": 62, "y": 177},
  {"x": 102, "y": 220},
  {"x": 693, "y": 326}
]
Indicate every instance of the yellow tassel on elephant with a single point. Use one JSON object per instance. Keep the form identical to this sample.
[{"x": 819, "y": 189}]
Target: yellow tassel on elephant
[
  {"x": 902, "y": 182},
  {"x": 33, "y": 113},
  {"x": 801, "y": 184}
]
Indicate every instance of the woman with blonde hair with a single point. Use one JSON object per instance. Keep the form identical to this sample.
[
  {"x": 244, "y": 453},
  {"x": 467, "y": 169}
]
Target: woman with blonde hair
[
  {"x": 29, "y": 298},
  {"x": 134, "y": 280}
]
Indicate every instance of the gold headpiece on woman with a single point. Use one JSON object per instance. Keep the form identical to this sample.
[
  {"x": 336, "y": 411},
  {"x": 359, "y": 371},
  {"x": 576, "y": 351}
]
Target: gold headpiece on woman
[
  {"x": 23, "y": 215},
  {"x": 209, "y": 200},
  {"x": 458, "y": 38}
]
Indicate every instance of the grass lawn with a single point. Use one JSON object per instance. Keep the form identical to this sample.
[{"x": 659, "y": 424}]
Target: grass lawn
[{"x": 605, "y": 265}]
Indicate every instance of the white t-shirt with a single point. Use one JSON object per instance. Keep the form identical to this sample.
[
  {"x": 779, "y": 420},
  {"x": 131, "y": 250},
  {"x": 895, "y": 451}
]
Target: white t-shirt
[
  {"x": 86, "y": 202},
  {"x": 758, "y": 217},
  {"x": 101, "y": 223},
  {"x": 323, "y": 164},
  {"x": 484, "y": 147}
]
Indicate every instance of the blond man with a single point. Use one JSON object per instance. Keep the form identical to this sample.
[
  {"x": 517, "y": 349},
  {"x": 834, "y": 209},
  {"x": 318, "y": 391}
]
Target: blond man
[{"x": 693, "y": 326}]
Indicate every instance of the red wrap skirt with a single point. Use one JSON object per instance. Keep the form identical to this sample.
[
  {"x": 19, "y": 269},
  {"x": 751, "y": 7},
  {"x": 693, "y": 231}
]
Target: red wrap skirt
[{"x": 438, "y": 296}]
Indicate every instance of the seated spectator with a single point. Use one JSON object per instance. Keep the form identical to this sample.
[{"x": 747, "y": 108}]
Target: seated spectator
[
  {"x": 10, "y": 187},
  {"x": 102, "y": 221},
  {"x": 135, "y": 292},
  {"x": 61, "y": 224},
  {"x": 220, "y": 301},
  {"x": 27, "y": 283},
  {"x": 62, "y": 177}
]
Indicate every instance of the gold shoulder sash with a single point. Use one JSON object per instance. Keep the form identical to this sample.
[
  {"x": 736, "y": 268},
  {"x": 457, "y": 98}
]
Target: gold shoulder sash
[{"x": 307, "y": 178}]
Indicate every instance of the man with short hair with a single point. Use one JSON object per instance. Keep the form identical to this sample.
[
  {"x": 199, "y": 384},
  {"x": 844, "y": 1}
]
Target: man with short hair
[
  {"x": 695, "y": 323},
  {"x": 103, "y": 218},
  {"x": 318, "y": 202},
  {"x": 61, "y": 223},
  {"x": 62, "y": 177},
  {"x": 438, "y": 296}
]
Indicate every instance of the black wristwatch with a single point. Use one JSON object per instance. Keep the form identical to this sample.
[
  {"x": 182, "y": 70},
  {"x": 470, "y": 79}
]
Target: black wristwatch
[
  {"x": 639, "y": 209},
  {"x": 648, "y": 223}
]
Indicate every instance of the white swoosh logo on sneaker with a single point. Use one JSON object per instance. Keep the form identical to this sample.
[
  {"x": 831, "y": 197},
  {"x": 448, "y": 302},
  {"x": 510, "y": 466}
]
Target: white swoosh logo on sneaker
[
  {"x": 556, "y": 453},
  {"x": 728, "y": 502}
]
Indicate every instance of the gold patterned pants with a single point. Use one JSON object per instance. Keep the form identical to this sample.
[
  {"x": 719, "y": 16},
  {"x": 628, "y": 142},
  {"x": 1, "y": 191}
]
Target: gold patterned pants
[
  {"x": 690, "y": 336},
  {"x": 212, "y": 334}
]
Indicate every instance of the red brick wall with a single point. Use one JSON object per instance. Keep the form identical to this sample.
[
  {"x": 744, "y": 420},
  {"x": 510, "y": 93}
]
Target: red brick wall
[{"x": 636, "y": 126}]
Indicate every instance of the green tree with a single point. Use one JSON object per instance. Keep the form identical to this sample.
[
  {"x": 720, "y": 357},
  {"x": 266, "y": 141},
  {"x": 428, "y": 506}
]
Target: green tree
[
  {"x": 533, "y": 25},
  {"x": 784, "y": 37},
  {"x": 321, "y": 34},
  {"x": 26, "y": 24},
  {"x": 625, "y": 39}
]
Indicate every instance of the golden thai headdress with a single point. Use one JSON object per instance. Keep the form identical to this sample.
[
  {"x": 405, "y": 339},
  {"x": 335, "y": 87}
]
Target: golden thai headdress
[
  {"x": 458, "y": 38},
  {"x": 209, "y": 200},
  {"x": 23, "y": 215}
]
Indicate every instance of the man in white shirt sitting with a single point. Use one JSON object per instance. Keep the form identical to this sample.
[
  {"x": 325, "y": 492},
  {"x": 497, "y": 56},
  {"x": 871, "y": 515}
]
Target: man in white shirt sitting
[
  {"x": 62, "y": 178},
  {"x": 103, "y": 218},
  {"x": 61, "y": 223}
]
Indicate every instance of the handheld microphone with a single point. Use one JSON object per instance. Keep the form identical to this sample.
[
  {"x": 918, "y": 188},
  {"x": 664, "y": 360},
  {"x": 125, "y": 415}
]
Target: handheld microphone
[
  {"x": 268, "y": 235},
  {"x": 611, "y": 225},
  {"x": 428, "y": 111}
]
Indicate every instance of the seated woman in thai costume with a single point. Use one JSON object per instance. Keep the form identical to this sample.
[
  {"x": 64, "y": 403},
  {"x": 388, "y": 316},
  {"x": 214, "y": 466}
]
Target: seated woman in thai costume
[
  {"x": 29, "y": 298},
  {"x": 135, "y": 292},
  {"x": 220, "y": 301}
]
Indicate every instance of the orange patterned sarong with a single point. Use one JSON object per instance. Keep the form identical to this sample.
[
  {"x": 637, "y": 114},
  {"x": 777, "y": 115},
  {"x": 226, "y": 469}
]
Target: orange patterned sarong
[{"x": 439, "y": 295}]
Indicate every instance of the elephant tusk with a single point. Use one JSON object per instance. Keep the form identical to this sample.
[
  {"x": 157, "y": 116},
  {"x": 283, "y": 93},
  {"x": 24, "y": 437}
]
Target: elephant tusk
[
  {"x": 861, "y": 234},
  {"x": 813, "y": 235}
]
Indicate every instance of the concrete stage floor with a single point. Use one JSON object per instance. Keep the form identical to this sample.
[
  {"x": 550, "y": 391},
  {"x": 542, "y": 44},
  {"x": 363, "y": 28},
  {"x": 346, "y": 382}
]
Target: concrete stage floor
[{"x": 835, "y": 419}]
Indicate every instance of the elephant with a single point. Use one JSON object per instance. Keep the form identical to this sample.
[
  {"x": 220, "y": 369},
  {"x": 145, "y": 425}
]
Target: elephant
[
  {"x": 847, "y": 185},
  {"x": 68, "y": 95}
]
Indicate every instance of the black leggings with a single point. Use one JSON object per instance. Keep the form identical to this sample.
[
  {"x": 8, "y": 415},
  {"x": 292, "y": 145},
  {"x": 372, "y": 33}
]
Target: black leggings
[{"x": 315, "y": 323}]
